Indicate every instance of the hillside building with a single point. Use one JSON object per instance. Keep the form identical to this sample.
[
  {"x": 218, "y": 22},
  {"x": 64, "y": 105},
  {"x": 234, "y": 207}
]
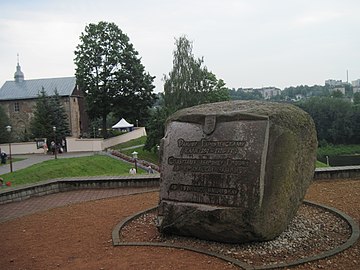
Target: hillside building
[{"x": 18, "y": 99}]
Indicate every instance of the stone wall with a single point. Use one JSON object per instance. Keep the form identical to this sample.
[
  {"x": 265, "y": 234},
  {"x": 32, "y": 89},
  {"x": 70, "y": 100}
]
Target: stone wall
[
  {"x": 20, "y": 120},
  {"x": 59, "y": 185}
]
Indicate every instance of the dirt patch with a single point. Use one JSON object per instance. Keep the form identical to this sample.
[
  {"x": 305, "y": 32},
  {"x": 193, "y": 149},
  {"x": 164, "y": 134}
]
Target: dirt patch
[{"x": 78, "y": 236}]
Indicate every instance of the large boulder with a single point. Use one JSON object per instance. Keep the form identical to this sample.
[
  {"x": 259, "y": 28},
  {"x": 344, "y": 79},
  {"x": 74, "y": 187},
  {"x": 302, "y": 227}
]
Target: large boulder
[{"x": 235, "y": 171}]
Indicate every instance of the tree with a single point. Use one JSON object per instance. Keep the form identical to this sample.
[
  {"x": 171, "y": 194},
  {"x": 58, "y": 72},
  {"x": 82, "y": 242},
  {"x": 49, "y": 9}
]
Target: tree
[
  {"x": 49, "y": 112},
  {"x": 4, "y": 121},
  {"x": 337, "y": 94},
  {"x": 41, "y": 124},
  {"x": 332, "y": 117},
  {"x": 59, "y": 118},
  {"x": 156, "y": 127},
  {"x": 190, "y": 83},
  {"x": 109, "y": 70},
  {"x": 357, "y": 98}
]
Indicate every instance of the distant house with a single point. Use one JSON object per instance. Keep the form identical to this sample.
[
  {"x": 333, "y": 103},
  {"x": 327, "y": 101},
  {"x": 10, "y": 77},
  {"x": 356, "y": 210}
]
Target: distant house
[
  {"x": 269, "y": 92},
  {"x": 18, "y": 99}
]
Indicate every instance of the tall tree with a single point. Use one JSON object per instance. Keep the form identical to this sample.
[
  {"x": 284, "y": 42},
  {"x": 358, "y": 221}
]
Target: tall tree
[
  {"x": 190, "y": 83},
  {"x": 4, "y": 121},
  {"x": 332, "y": 117},
  {"x": 49, "y": 112},
  {"x": 42, "y": 122},
  {"x": 59, "y": 117},
  {"x": 109, "y": 70}
]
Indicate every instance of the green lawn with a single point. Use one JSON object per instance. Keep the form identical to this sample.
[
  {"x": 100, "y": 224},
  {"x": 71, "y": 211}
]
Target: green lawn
[
  {"x": 142, "y": 154},
  {"x": 338, "y": 150},
  {"x": 69, "y": 167},
  {"x": 138, "y": 141},
  {"x": 320, "y": 164}
]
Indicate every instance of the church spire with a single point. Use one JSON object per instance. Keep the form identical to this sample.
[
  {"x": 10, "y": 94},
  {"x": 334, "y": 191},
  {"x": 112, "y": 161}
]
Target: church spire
[{"x": 19, "y": 75}]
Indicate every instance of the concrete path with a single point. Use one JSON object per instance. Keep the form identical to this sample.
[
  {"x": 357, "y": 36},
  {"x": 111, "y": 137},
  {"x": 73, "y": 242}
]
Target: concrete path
[
  {"x": 32, "y": 159},
  {"x": 133, "y": 147},
  {"x": 34, "y": 205}
]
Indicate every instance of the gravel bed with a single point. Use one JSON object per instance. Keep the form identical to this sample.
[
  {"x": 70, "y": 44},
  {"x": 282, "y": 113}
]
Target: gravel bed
[{"x": 312, "y": 231}]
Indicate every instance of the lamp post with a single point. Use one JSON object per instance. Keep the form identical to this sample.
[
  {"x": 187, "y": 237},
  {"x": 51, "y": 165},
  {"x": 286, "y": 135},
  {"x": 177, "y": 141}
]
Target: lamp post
[
  {"x": 134, "y": 154},
  {"x": 54, "y": 129},
  {"x": 8, "y": 128}
]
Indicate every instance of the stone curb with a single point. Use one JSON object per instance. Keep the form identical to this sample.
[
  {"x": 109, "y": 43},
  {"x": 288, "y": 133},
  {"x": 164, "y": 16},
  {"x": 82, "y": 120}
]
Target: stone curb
[
  {"x": 23, "y": 192},
  {"x": 351, "y": 241}
]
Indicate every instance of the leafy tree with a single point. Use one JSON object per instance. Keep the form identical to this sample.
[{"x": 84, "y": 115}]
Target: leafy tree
[
  {"x": 156, "y": 127},
  {"x": 355, "y": 121},
  {"x": 4, "y": 121},
  {"x": 332, "y": 117},
  {"x": 357, "y": 98},
  {"x": 109, "y": 70},
  {"x": 190, "y": 83},
  {"x": 337, "y": 94}
]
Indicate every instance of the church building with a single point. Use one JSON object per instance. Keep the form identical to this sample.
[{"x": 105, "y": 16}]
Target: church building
[{"x": 18, "y": 99}]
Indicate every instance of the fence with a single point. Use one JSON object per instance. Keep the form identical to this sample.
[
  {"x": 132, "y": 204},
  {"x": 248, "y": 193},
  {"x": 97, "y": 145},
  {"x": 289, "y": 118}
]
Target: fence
[{"x": 75, "y": 144}]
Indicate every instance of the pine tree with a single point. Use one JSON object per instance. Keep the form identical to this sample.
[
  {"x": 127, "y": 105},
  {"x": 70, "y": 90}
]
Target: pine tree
[
  {"x": 59, "y": 117},
  {"x": 42, "y": 123},
  {"x": 49, "y": 113},
  {"x": 4, "y": 121}
]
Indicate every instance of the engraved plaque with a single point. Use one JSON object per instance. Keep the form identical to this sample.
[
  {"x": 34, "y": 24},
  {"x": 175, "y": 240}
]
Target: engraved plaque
[{"x": 225, "y": 168}]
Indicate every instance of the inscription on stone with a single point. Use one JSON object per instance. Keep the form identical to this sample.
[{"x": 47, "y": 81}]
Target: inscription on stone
[{"x": 206, "y": 168}]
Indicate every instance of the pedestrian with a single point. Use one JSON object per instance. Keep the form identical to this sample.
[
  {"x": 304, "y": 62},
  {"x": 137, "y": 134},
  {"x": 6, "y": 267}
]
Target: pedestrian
[
  {"x": 150, "y": 170},
  {"x": 132, "y": 171},
  {"x": 53, "y": 147},
  {"x": 45, "y": 148},
  {"x": 3, "y": 157}
]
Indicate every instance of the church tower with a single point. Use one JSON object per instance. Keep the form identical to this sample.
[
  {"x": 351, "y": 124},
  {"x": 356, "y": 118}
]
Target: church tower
[{"x": 19, "y": 75}]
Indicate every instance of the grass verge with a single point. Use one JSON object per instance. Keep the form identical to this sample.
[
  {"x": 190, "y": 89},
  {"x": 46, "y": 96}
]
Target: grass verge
[
  {"x": 96, "y": 165},
  {"x": 338, "y": 150},
  {"x": 320, "y": 164}
]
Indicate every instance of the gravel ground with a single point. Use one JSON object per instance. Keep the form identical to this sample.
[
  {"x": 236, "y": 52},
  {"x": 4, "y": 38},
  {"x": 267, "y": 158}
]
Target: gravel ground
[
  {"x": 78, "y": 236},
  {"x": 311, "y": 232}
]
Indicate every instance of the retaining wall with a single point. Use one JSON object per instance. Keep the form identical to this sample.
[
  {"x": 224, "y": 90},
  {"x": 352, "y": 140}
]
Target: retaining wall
[
  {"x": 59, "y": 185},
  {"x": 66, "y": 184},
  {"x": 344, "y": 172}
]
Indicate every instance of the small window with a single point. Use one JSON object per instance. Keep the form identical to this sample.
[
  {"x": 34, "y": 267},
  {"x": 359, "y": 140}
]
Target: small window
[{"x": 16, "y": 107}]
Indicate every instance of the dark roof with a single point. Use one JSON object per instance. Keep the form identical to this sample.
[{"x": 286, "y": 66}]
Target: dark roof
[{"x": 29, "y": 89}]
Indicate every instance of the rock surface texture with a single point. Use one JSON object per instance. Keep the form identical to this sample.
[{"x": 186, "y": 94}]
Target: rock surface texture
[{"x": 235, "y": 171}]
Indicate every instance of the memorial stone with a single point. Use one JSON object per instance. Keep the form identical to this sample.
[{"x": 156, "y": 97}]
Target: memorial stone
[{"x": 235, "y": 171}]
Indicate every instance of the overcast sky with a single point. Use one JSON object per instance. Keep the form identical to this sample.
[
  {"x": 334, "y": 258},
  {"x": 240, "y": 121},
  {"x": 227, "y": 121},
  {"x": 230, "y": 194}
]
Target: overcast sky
[{"x": 250, "y": 43}]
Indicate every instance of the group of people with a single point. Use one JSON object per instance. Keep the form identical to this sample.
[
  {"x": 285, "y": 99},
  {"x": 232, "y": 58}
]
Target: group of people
[
  {"x": 58, "y": 147},
  {"x": 150, "y": 170}
]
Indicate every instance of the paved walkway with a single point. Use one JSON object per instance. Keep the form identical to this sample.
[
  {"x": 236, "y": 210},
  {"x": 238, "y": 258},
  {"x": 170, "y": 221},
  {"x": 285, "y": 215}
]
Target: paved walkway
[
  {"x": 133, "y": 147},
  {"x": 33, "y": 205},
  {"x": 32, "y": 159}
]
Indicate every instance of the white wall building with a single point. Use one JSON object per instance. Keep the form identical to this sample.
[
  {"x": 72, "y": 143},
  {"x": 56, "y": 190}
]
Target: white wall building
[{"x": 334, "y": 83}]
